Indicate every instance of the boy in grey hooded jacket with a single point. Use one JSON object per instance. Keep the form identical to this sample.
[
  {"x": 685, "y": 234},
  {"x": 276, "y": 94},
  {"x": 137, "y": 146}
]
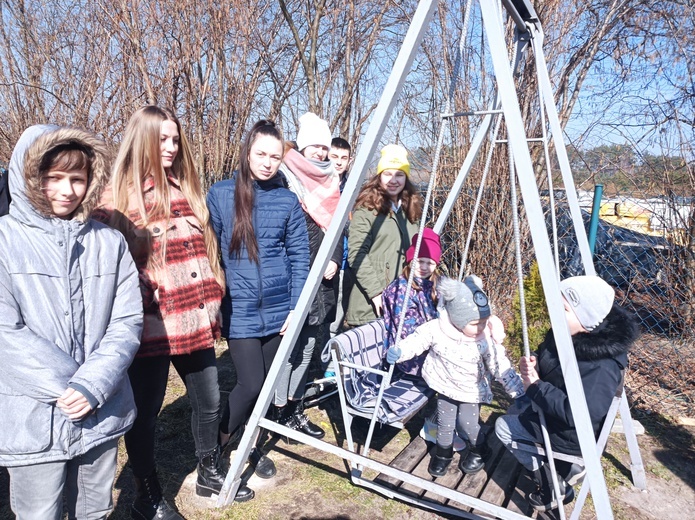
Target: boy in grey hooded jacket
[{"x": 70, "y": 324}]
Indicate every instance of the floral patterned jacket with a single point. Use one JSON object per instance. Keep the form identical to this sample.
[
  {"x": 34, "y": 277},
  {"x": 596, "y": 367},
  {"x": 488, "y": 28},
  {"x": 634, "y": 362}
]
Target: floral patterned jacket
[{"x": 421, "y": 309}]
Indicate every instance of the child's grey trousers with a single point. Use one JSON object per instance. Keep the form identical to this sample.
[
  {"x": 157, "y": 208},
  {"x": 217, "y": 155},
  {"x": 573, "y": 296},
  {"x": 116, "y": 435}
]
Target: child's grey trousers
[
  {"x": 36, "y": 491},
  {"x": 462, "y": 417}
]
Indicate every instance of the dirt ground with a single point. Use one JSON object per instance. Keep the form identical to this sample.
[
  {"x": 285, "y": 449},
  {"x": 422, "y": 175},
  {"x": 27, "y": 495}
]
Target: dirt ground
[{"x": 312, "y": 485}]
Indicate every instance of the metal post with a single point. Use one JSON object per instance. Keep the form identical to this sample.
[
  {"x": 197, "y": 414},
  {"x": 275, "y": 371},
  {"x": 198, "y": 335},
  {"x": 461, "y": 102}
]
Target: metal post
[
  {"x": 556, "y": 132},
  {"x": 394, "y": 85},
  {"x": 595, "y": 211},
  {"x": 527, "y": 182}
]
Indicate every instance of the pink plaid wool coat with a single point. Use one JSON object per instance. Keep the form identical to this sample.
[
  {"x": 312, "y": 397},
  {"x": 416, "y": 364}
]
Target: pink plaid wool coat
[{"x": 181, "y": 297}]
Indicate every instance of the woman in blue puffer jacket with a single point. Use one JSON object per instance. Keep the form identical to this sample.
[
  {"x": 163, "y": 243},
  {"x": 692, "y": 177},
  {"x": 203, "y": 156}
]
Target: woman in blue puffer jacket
[{"x": 265, "y": 254}]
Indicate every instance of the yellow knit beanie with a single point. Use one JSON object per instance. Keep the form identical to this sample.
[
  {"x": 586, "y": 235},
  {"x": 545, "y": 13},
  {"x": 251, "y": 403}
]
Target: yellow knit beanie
[{"x": 393, "y": 157}]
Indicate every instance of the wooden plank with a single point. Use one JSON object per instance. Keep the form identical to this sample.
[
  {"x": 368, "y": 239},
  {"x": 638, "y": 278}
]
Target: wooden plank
[
  {"x": 473, "y": 484},
  {"x": 502, "y": 480},
  {"x": 419, "y": 471},
  {"x": 406, "y": 460}
]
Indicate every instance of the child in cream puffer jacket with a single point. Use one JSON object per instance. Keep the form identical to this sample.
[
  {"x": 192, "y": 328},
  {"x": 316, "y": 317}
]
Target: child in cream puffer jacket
[{"x": 463, "y": 354}]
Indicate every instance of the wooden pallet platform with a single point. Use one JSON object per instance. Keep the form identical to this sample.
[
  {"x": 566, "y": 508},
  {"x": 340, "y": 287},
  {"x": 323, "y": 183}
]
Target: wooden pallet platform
[{"x": 503, "y": 482}]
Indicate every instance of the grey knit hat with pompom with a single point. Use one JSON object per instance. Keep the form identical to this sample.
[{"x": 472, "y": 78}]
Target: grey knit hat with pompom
[{"x": 464, "y": 301}]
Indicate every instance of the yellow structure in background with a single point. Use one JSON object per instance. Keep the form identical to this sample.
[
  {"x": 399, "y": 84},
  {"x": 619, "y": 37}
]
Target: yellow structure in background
[{"x": 647, "y": 216}]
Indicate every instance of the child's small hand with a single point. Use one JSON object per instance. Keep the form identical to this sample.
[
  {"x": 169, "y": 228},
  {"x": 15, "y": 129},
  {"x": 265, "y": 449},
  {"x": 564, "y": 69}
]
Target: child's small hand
[
  {"x": 527, "y": 370},
  {"x": 74, "y": 404},
  {"x": 378, "y": 305},
  {"x": 392, "y": 355},
  {"x": 496, "y": 329}
]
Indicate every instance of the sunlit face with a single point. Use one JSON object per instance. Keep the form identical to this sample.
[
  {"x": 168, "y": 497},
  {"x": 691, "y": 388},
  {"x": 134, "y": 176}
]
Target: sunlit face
[
  {"x": 317, "y": 152},
  {"x": 424, "y": 267},
  {"x": 340, "y": 159},
  {"x": 168, "y": 143},
  {"x": 393, "y": 181},
  {"x": 65, "y": 190},
  {"x": 572, "y": 321},
  {"x": 474, "y": 328},
  {"x": 265, "y": 157}
]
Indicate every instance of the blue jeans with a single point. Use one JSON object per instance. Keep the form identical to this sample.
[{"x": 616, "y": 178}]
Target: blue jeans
[
  {"x": 36, "y": 491},
  {"x": 148, "y": 377}
]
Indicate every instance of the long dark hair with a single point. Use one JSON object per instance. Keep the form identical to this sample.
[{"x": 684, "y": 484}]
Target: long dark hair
[{"x": 244, "y": 195}]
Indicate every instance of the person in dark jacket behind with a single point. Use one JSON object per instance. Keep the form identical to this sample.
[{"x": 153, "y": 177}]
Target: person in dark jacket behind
[
  {"x": 4, "y": 193},
  {"x": 262, "y": 233},
  {"x": 312, "y": 177},
  {"x": 340, "y": 155},
  {"x": 602, "y": 334}
]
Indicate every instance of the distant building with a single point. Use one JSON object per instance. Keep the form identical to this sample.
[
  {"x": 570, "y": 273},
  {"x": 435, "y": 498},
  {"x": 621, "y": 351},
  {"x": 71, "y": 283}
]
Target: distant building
[{"x": 667, "y": 218}]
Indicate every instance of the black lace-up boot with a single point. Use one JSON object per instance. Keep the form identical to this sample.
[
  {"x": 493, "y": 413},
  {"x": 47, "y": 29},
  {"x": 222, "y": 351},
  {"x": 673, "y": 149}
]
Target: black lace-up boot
[
  {"x": 211, "y": 478},
  {"x": 150, "y": 503}
]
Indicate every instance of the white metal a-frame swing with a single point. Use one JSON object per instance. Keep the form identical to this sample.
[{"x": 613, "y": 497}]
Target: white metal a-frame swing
[{"x": 528, "y": 32}]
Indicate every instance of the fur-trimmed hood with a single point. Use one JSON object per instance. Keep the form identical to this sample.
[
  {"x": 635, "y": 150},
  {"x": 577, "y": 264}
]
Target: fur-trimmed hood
[
  {"x": 611, "y": 339},
  {"x": 28, "y": 200}
]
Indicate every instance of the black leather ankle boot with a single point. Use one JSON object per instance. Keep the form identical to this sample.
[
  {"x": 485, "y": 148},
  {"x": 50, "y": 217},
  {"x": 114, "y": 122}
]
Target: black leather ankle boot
[
  {"x": 150, "y": 503},
  {"x": 304, "y": 425},
  {"x": 474, "y": 460},
  {"x": 263, "y": 467},
  {"x": 440, "y": 460}
]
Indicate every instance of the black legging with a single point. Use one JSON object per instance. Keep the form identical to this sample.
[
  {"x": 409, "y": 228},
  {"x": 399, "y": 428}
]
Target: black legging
[
  {"x": 148, "y": 377},
  {"x": 252, "y": 358}
]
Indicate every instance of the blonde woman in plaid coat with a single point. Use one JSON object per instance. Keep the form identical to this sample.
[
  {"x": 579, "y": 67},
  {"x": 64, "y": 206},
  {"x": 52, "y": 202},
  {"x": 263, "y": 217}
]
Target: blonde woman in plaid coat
[{"x": 156, "y": 201}]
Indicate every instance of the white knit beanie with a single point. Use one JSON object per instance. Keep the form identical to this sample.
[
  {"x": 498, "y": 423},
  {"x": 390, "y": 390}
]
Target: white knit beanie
[
  {"x": 590, "y": 297},
  {"x": 313, "y": 130}
]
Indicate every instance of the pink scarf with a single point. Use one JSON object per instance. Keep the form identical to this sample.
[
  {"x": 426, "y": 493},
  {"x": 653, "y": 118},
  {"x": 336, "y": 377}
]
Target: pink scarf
[{"x": 316, "y": 185}]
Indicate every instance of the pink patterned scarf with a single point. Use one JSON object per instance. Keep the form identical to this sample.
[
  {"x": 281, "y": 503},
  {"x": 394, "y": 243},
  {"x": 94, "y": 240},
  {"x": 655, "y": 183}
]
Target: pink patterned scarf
[{"x": 316, "y": 185}]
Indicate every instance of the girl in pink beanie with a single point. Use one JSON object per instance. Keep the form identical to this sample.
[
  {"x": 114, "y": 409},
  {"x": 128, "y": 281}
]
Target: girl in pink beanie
[{"x": 422, "y": 304}]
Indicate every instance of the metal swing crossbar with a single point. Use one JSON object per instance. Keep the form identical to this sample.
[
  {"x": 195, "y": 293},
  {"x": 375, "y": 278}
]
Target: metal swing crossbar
[{"x": 527, "y": 29}]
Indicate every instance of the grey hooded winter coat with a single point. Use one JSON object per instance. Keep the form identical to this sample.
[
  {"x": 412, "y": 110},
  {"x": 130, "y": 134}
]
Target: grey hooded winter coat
[{"x": 70, "y": 313}]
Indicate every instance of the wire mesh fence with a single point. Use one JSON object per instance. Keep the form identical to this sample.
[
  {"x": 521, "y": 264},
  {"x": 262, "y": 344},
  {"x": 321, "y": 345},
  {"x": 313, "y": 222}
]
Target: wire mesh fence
[{"x": 641, "y": 249}]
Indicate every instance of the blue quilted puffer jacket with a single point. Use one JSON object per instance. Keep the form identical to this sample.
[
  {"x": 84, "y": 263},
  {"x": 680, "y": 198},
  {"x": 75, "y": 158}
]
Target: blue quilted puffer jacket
[{"x": 259, "y": 296}]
